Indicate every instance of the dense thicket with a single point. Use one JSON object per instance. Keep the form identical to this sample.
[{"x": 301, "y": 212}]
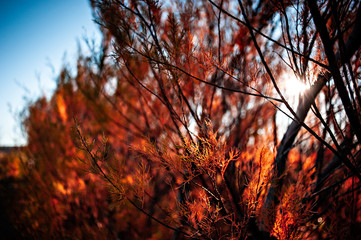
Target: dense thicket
[{"x": 182, "y": 124}]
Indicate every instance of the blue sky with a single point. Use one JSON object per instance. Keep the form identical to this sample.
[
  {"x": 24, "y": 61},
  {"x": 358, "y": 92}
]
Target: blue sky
[{"x": 36, "y": 38}]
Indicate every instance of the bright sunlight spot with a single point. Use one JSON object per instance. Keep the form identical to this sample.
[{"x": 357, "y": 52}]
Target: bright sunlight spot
[{"x": 293, "y": 86}]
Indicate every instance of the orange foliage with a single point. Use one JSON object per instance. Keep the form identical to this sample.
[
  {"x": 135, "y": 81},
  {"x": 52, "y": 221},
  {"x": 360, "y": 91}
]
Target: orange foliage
[{"x": 170, "y": 130}]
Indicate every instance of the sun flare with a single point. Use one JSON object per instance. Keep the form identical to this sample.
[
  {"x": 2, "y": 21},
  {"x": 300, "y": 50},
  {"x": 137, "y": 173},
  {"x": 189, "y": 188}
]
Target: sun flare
[{"x": 293, "y": 86}]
